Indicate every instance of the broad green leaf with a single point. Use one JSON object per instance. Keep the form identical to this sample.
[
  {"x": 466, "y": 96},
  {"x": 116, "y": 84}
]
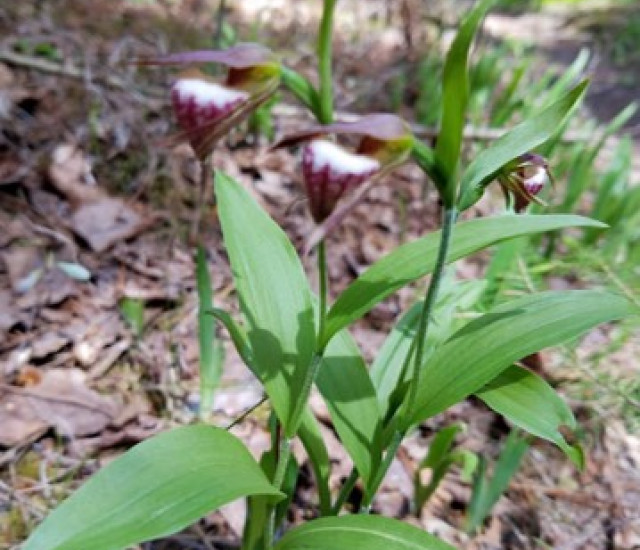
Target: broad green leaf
[
  {"x": 523, "y": 138},
  {"x": 455, "y": 96},
  {"x": 413, "y": 260},
  {"x": 531, "y": 404},
  {"x": 274, "y": 297},
  {"x": 157, "y": 488},
  {"x": 483, "y": 348},
  {"x": 387, "y": 367},
  {"x": 359, "y": 532},
  {"x": 345, "y": 385}
]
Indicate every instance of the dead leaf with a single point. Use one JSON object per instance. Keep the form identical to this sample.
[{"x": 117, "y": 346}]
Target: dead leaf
[
  {"x": 61, "y": 401},
  {"x": 105, "y": 222},
  {"x": 20, "y": 422},
  {"x": 70, "y": 173}
]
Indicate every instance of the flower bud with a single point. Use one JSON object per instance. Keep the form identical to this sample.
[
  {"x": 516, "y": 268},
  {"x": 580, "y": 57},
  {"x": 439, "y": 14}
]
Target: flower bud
[
  {"x": 331, "y": 171},
  {"x": 206, "y": 109},
  {"x": 525, "y": 178}
]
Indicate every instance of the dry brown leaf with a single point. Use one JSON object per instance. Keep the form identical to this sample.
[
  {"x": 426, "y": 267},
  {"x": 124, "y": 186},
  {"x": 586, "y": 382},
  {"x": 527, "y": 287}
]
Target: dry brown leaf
[
  {"x": 70, "y": 173},
  {"x": 20, "y": 422},
  {"x": 61, "y": 401},
  {"x": 105, "y": 222}
]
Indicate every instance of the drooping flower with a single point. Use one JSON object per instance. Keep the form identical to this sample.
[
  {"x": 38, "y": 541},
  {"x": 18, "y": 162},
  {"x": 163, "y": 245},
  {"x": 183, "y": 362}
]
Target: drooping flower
[
  {"x": 331, "y": 171},
  {"x": 207, "y": 109},
  {"x": 525, "y": 178}
]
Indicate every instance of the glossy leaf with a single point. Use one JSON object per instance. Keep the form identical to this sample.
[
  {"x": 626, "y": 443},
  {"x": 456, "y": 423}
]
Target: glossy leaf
[
  {"x": 157, "y": 488},
  {"x": 345, "y": 385},
  {"x": 483, "y": 348},
  {"x": 523, "y": 138},
  {"x": 455, "y": 94},
  {"x": 274, "y": 297},
  {"x": 413, "y": 260},
  {"x": 530, "y": 403},
  {"x": 359, "y": 532}
]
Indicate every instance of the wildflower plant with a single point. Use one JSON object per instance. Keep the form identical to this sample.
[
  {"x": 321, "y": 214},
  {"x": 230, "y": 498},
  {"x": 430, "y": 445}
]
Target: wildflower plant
[{"x": 292, "y": 339}]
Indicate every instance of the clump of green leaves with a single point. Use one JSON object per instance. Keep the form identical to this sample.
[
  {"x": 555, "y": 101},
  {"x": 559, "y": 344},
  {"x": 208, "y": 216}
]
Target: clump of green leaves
[{"x": 291, "y": 339}]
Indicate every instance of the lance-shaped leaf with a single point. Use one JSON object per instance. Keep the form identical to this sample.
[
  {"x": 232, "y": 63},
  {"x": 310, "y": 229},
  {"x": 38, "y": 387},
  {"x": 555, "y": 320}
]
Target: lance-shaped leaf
[
  {"x": 483, "y": 348},
  {"x": 390, "y": 363},
  {"x": 411, "y": 261},
  {"x": 156, "y": 488},
  {"x": 345, "y": 385},
  {"x": 455, "y": 94},
  {"x": 531, "y": 404},
  {"x": 274, "y": 296},
  {"x": 523, "y": 138},
  {"x": 359, "y": 532}
]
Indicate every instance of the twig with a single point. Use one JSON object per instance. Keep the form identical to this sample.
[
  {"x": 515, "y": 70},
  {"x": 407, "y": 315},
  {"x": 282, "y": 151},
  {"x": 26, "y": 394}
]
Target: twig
[{"x": 72, "y": 71}]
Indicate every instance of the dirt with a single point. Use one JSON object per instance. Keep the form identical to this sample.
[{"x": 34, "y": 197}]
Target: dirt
[{"x": 96, "y": 204}]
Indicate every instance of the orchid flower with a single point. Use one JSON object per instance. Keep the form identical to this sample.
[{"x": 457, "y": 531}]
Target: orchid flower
[
  {"x": 331, "y": 171},
  {"x": 525, "y": 178},
  {"x": 207, "y": 109}
]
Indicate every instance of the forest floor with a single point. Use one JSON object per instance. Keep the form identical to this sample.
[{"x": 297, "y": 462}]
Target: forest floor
[{"x": 87, "y": 177}]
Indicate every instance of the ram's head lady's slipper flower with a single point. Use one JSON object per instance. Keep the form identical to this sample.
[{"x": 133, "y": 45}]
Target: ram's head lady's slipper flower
[
  {"x": 331, "y": 171},
  {"x": 207, "y": 109},
  {"x": 525, "y": 177}
]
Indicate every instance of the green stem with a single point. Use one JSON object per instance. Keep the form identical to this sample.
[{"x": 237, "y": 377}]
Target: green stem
[
  {"x": 322, "y": 288},
  {"x": 450, "y": 216},
  {"x": 284, "y": 454},
  {"x": 345, "y": 492},
  {"x": 305, "y": 390},
  {"x": 381, "y": 472},
  {"x": 325, "y": 114}
]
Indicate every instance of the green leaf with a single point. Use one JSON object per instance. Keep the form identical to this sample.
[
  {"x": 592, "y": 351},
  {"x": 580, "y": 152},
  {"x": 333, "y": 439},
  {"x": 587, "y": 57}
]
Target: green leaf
[
  {"x": 359, "y": 532},
  {"x": 132, "y": 310},
  {"x": 486, "y": 492},
  {"x": 345, "y": 385},
  {"x": 157, "y": 488},
  {"x": 483, "y": 348},
  {"x": 387, "y": 368},
  {"x": 455, "y": 94},
  {"x": 274, "y": 297},
  {"x": 238, "y": 336},
  {"x": 311, "y": 438},
  {"x": 523, "y": 138},
  {"x": 300, "y": 87},
  {"x": 413, "y": 260},
  {"x": 531, "y": 404}
]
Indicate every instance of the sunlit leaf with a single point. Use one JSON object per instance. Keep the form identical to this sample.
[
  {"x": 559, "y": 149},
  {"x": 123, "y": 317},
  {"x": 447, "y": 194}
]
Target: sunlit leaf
[
  {"x": 157, "y": 488},
  {"x": 359, "y": 532},
  {"x": 274, "y": 296},
  {"x": 486, "y": 346},
  {"x": 416, "y": 259},
  {"x": 530, "y": 403}
]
